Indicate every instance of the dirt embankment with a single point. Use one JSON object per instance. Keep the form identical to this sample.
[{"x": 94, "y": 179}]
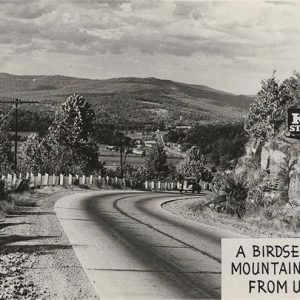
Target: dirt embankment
[
  {"x": 254, "y": 226},
  {"x": 36, "y": 258}
]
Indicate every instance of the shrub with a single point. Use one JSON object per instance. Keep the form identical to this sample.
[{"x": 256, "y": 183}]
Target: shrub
[
  {"x": 236, "y": 191},
  {"x": 290, "y": 215},
  {"x": 234, "y": 186},
  {"x": 271, "y": 211},
  {"x": 287, "y": 169},
  {"x": 256, "y": 186}
]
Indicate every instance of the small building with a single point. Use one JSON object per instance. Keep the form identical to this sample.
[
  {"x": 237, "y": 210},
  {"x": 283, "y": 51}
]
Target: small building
[
  {"x": 137, "y": 151},
  {"x": 111, "y": 148}
]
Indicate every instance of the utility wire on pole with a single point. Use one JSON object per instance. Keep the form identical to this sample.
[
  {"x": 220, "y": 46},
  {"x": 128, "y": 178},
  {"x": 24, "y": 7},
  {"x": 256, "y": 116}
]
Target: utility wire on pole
[{"x": 17, "y": 102}]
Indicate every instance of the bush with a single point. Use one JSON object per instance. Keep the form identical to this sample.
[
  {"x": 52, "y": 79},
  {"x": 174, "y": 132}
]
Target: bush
[
  {"x": 256, "y": 186},
  {"x": 290, "y": 215},
  {"x": 234, "y": 186},
  {"x": 236, "y": 191}
]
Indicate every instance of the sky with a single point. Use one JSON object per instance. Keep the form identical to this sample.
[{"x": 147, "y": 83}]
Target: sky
[{"x": 226, "y": 45}]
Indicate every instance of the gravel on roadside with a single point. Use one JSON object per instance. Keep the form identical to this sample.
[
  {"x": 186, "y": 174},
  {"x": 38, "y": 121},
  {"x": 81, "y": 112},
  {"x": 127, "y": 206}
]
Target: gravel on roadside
[{"x": 36, "y": 258}]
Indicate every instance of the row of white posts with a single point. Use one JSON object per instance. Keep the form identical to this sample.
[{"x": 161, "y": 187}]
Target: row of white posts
[
  {"x": 39, "y": 180},
  {"x": 171, "y": 186}
]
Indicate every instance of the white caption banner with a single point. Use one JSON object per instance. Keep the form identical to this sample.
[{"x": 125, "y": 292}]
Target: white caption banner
[{"x": 260, "y": 269}]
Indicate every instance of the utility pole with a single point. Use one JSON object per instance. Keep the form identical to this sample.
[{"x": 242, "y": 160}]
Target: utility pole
[
  {"x": 16, "y": 133},
  {"x": 17, "y": 103}
]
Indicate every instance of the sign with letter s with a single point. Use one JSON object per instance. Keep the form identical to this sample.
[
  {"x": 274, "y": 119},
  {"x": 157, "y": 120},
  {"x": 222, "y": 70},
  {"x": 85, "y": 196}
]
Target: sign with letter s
[{"x": 294, "y": 122}]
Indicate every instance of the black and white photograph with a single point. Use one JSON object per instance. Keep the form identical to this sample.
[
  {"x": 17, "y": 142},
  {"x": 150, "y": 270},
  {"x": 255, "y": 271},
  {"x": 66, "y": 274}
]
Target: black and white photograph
[{"x": 149, "y": 149}]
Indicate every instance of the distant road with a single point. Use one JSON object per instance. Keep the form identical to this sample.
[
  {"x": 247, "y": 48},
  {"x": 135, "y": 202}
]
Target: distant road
[{"x": 130, "y": 248}]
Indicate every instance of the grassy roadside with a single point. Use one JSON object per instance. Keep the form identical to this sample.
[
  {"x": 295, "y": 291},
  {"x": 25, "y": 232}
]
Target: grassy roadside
[
  {"x": 36, "y": 258},
  {"x": 255, "y": 225}
]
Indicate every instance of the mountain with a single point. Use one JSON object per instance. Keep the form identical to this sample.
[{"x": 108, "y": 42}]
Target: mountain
[{"x": 144, "y": 100}]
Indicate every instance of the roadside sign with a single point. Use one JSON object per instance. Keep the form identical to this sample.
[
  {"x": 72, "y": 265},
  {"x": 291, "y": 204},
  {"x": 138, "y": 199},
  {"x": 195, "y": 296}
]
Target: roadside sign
[{"x": 294, "y": 122}]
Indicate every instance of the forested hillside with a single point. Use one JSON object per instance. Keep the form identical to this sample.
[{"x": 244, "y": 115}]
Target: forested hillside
[{"x": 149, "y": 100}]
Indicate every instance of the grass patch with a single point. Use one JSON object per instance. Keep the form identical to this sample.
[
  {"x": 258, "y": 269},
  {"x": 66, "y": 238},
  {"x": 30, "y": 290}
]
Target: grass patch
[
  {"x": 274, "y": 220},
  {"x": 24, "y": 199},
  {"x": 10, "y": 202},
  {"x": 6, "y": 206}
]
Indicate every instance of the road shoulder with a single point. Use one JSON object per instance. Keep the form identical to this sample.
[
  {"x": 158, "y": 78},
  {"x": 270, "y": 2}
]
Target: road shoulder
[
  {"x": 189, "y": 208},
  {"x": 37, "y": 260}
]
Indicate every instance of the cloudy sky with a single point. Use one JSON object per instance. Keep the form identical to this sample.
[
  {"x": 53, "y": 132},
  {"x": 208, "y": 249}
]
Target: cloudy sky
[{"x": 226, "y": 45}]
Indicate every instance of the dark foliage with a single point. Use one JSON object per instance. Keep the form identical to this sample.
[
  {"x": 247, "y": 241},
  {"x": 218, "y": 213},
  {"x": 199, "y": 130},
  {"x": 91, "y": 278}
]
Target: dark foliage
[
  {"x": 2, "y": 190},
  {"x": 32, "y": 121},
  {"x": 223, "y": 144}
]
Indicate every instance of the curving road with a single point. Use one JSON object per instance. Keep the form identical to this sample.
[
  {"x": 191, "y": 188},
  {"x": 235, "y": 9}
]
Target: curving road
[{"x": 130, "y": 248}]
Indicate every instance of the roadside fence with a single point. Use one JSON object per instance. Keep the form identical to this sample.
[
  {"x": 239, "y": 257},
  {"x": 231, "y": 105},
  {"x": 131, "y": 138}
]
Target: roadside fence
[{"x": 12, "y": 181}]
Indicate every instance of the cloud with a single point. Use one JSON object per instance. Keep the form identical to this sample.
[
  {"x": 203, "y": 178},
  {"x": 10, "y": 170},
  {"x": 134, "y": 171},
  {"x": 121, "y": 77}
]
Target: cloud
[
  {"x": 176, "y": 28},
  {"x": 29, "y": 9},
  {"x": 246, "y": 34}
]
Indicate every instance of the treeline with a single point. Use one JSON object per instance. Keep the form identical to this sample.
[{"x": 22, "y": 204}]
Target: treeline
[
  {"x": 145, "y": 109},
  {"x": 222, "y": 144},
  {"x": 136, "y": 111},
  {"x": 31, "y": 121}
]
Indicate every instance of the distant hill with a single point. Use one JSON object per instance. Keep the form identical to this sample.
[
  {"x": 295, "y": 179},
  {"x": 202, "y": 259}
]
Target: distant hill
[{"x": 150, "y": 99}]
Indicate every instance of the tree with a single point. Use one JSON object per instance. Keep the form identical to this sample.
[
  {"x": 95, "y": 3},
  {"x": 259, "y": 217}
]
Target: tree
[
  {"x": 31, "y": 158},
  {"x": 193, "y": 165},
  {"x": 6, "y": 155},
  {"x": 124, "y": 144},
  {"x": 122, "y": 114},
  {"x": 268, "y": 111},
  {"x": 68, "y": 146},
  {"x": 71, "y": 137},
  {"x": 195, "y": 154},
  {"x": 156, "y": 165}
]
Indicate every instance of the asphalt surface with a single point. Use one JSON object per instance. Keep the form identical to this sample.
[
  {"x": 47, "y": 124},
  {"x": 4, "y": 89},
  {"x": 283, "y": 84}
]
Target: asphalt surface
[{"x": 131, "y": 248}]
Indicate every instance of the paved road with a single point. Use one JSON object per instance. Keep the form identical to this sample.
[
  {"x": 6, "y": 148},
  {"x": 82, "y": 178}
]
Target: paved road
[{"x": 130, "y": 248}]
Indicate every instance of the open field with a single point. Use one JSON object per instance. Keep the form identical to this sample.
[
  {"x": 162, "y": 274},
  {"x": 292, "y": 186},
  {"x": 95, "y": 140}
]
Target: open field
[{"x": 113, "y": 159}]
